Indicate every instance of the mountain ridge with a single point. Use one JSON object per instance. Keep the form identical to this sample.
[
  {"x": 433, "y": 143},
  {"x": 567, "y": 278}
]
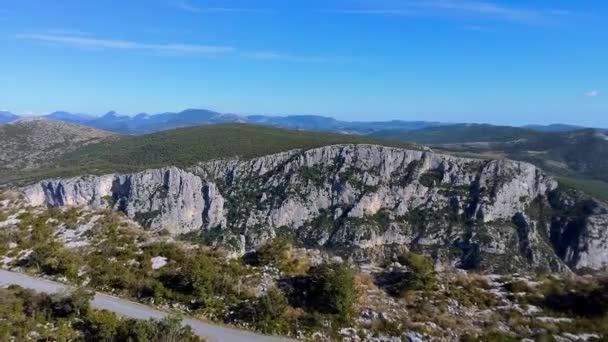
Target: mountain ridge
[
  {"x": 181, "y": 147},
  {"x": 29, "y": 144},
  {"x": 144, "y": 123},
  {"x": 363, "y": 200}
]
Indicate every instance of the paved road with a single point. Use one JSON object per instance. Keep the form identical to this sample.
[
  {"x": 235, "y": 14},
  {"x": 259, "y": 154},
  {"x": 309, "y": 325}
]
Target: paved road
[{"x": 127, "y": 308}]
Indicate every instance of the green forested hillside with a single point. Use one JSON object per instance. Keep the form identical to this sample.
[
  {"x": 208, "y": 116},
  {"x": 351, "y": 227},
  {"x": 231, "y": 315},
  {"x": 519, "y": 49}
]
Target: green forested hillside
[{"x": 185, "y": 147}]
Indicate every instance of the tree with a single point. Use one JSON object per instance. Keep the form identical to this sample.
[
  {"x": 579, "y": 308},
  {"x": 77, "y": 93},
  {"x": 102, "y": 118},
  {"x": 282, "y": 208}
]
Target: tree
[
  {"x": 273, "y": 252},
  {"x": 334, "y": 290},
  {"x": 422, "y": 273},
  {"x": 269, "y": 309},
  {"x": 76, "y": 304},
  {"x": 101, "y": 325},
  {"x": 280, "y": 253},
  {"x": 169, "y": 329}
]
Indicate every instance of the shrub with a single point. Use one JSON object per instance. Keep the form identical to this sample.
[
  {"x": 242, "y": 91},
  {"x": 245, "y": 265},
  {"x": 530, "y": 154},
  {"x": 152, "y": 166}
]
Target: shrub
[
  {"x": 272, "y": 252},
  {"x": 269, "y": 310},
  {"x": 334, "y": 290},
  {"x": 76, "y": 304},
  {"x": 61, "y": 317},
  {"x": 102, "y": 325},
  {"x": 422, "y": 273},
  {"x": 517, "y": 286},
  {"x": 493, "y": 336},
  {"x": 585, "y": 303},
  {"x": 280, "y": 254}
]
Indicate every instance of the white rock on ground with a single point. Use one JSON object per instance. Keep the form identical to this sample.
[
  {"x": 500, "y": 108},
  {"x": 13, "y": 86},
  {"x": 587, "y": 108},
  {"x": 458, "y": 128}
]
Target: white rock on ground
[{"x": 158, "y": 262}]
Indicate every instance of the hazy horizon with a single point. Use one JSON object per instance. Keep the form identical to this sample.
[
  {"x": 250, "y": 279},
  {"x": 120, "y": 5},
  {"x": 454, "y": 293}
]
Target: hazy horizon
[{"x": 131, "y": 115}]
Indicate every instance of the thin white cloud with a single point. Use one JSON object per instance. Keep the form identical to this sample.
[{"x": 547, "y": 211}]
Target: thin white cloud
[
  {"x": 273, "y": 56},
  {"x": 234, "y": 10},
  {"x": 192, "y": 8},
  {"x": 592, "y": 93},
  {"x": 95, "y": 43},
  {"x": 483, "y": 8},
  {"x": 63, "y": 32},
  {"x": 88, "y": 42},
  {"x": 460, "y": 8},
  {"x": 387, "y": 12}
]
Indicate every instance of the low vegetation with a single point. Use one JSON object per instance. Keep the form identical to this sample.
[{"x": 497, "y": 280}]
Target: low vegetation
[
  {"x": 183, "y": 147},
  {"x": 27, "y": 315},
  {"x": 595, "y": 188},
  {"x": 278, "y": 290},
  {"x": 280, "y": 253},
  {"x": 120, "y": 259}
]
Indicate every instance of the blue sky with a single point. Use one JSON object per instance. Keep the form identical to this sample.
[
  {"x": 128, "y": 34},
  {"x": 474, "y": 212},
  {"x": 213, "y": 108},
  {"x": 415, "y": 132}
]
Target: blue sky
[{"x": 505, "y": 62}]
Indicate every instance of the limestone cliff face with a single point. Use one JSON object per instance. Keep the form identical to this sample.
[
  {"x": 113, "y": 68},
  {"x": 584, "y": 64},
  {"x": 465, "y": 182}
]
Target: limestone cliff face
[
  {"x": 167, "y": 198},
  {"x": 361, "y": 200}
]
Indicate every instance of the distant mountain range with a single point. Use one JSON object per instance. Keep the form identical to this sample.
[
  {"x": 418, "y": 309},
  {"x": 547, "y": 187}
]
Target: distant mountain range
[
  {"x": 148, "y": 123},
  {"x": 6, "y": 117}
]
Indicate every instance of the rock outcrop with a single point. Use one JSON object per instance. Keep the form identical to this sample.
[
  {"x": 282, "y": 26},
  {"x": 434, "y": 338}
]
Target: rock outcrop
[
  {"x": 362, "y": 200},
  {"x": 168, "y": 198}
]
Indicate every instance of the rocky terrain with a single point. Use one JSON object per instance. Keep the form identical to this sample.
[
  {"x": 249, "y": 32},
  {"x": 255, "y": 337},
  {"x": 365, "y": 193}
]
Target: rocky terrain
[
  {"x": 404, "y": 299},
  {"x": 362, "y": 201},
  {"x": 29, "y": 144}
]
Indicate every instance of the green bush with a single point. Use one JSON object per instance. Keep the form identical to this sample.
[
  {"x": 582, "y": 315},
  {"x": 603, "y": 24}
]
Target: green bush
[
  {"x": 280, "y": 253},
  {"x": 334, "y": 290},
  {"x": 168, "y": 329},
  {"x": 273, "y": 252},
  {"x": 70, "y": 318},
  {"x": 269, "y": 310},
  {"x": 422, "y": 273},
  {"x": 583, "y": 300},
  {"x": 493, "y": 336}
]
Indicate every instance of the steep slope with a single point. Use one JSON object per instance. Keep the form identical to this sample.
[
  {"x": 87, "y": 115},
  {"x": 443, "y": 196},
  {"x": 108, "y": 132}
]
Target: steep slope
[
  {"x": 365, "y": 201},
  {"x": 186, "y": 147},
  {"x": 31, "y": 144}
]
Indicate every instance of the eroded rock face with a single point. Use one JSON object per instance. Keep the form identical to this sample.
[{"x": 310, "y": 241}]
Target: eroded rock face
[
  {"x": 359, "y": 199},
  {"x": 579, "y": 230},
  {"x": 167, "y": 198}
]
